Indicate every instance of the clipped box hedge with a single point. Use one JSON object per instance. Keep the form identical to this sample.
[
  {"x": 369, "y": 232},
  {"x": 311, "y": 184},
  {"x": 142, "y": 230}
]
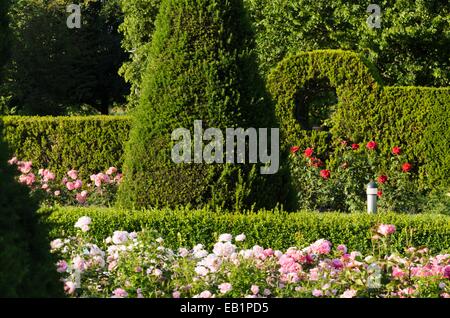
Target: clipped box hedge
[
  {"x": 89, "y": 144},
  {"x": 276, "y": 229}
]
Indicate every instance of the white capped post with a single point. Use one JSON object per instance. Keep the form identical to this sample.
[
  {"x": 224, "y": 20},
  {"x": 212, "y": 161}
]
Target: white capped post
[{"x": 372, "y": 195}]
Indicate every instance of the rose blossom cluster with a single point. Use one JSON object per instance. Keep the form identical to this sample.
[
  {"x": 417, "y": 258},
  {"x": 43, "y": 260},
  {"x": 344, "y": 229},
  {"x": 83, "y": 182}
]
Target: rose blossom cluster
[
  {"x": 140, "y": 265},
  {"x": 71, "y": 189}
]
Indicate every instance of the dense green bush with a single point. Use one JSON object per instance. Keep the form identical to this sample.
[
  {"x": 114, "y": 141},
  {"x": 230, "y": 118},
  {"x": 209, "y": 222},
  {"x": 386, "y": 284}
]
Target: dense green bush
[
  {"x": 415, "y": 118},
  {"x": 88, "y": 144},
  {"x": 413, "y": 32},
  {"x": 276, "y": 229},
  {"x": 4, "y": 33},
  {"x": 410, "y": 47},
  {"x": 137, "y": 29},
  {"x": 26, "y": 268},
  {"x": 200, "y": 67},
  {"x": 56, "y": 70}
]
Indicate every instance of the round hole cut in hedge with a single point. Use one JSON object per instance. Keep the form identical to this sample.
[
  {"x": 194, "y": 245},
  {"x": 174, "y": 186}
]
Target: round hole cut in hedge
[{"x": 346, "y": 76}]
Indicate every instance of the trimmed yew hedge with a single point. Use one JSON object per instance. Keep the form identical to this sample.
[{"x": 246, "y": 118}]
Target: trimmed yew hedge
[
  {"x": 416, "y": 118},
  {"x": 274, "y": 228},
  {"x": 90, "y": 144}
]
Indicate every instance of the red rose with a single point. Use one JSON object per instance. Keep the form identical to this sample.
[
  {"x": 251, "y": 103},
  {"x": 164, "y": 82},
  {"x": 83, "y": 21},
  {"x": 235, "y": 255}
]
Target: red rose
[
  {"x": 325, "y": 174},
  {"x": 294, "y": 149},
  {"x": 371, "y": 145},
  {"x": 309, "y": 152},
  {"x": 380, "y": 193},
  {"x": 355, "y": 146},
  {"x": 396, "y": 150},
  {"x": 316, "y": 162},
  {"x": 382, "y": 179},
  {"x": 406, "y": 167}
]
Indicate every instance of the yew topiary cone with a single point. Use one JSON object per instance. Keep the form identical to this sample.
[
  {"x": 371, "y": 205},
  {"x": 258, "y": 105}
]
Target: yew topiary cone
[{"x": 201, "y": 67}]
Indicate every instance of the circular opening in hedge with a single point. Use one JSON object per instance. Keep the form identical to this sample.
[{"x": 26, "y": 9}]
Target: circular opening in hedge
[{"x": 315, "y": 103}]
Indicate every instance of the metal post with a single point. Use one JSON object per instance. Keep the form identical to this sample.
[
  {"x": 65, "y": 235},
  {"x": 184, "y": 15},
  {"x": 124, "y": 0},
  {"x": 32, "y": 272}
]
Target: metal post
[{"x": 372, "y": 195}]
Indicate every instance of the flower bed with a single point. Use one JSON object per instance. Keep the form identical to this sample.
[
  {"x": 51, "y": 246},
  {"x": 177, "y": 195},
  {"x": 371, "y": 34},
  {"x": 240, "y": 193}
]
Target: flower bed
[
  {"x": 140, "y": 265},
  {"x": 100, "y": 190}
]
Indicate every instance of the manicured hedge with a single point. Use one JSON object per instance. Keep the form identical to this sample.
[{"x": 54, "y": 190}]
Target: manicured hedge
[
  {"x": 415, "y": 118},
  {"x": 276, "y": 229},
  {"x": 90, "y": 144},
  {"x": 200, "y": 67}
]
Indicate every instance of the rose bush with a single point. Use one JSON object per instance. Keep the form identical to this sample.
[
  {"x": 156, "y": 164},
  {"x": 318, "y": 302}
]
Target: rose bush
[
  {"x": 140, "y": 265},
  {"x": 71, "y": 190},
  {"x": 340, "y": 182}
]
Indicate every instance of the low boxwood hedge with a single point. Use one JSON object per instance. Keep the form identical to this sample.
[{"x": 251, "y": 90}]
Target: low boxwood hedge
[
  {"x": 276, "y": 229},
  {"x": 89, "y": 144}
]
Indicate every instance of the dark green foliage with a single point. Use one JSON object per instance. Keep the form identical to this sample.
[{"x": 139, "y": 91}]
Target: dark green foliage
[
  {"x": 275, "y": 229},
  {"x": 26, "y": 267},
  {"x": 137, "y": 29},
  {"x": 200, "y": 67},
  {"x": 415, "y": 118},
  {"x": 55, "y": 70},
  {"x": 410, "y": 47},
  {"x": 88, "y": 144},
  {"x": 4, "y": 33}
]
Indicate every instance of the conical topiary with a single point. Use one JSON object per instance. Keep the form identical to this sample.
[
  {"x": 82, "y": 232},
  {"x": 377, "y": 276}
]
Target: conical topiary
[
  {"x": 201, "y": 67},
  {"x": 26, "y": 266}
]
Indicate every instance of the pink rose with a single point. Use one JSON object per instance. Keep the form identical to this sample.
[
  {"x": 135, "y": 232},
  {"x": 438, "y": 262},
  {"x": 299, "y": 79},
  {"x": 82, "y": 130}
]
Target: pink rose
[
  {"x": 317, "y": 293},
  {"x": 176, "y": 294},
  {"x": 77, "y": 184},
  {"x": 119, "y": 293},
  {"x": 349, "y": 293},
  {"x": 225, "y": 288},
  {"x": 73, "y": 174},
  {"x": 28, "y": 179},
  {"x": 386, "y": 229},
  {"x": 111, "y": 170},
  {"x": 254, "y": 289},
  {"x": 61, "y": 266},
  {"x": 342, "y": 248},
  {"x": 57, "y": 193},
  {"x": 81, "y": 197},
  {"x": 69, "y": 287},
  {"x": 83, "y": 223},
  {"x": 12, "y": 161},
  {"x": 25, "y": 166},
  {"x": 205, "y": 294},
  {"x": 321, "y": 247},
  {"x": 397, "y": 272},
  {"x": 70, "y": 186}
]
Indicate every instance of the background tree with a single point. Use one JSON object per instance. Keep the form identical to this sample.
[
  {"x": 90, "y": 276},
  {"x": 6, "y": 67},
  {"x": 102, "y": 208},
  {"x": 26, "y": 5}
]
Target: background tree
[
  {"x": 410, "y": 47},
  {"x": 56, "y": 70},
  {"x": 137, "y": 29}
]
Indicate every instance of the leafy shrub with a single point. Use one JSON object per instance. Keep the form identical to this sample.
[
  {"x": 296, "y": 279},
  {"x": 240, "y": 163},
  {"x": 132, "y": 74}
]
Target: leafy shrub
[
  {"x": 416, "y": 117},
  {"x": 140, "y": 265},
  {"x": 199, "y": 67},
  {"x": 60, "y": 144},
  {"x": 25, "y": 263},
  {"x": 276, "y": 229}
]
